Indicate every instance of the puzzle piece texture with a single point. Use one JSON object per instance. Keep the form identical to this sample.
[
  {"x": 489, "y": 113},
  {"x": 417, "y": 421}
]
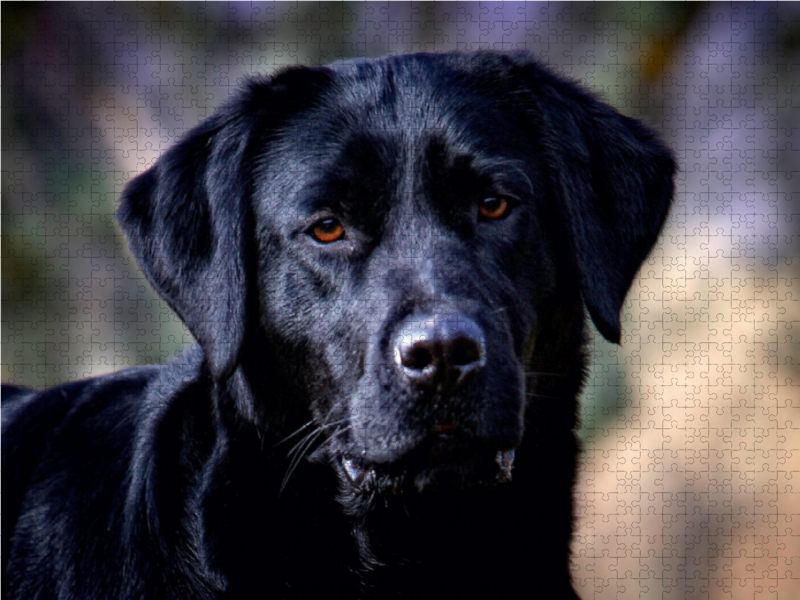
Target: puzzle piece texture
[{"x": 690, "y": 480}]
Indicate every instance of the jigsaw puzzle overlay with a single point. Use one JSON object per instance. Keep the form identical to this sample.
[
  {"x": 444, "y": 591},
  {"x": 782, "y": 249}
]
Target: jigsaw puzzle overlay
[{"x": 690, "y": 478}]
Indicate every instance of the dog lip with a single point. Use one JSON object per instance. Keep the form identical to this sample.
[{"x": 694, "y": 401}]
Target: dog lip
[{"x": 362, "y": 476}]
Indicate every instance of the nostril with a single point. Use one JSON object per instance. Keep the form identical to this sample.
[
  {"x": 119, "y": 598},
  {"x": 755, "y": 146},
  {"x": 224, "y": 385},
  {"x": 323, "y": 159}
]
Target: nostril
[
  {"x": 417, "y": 357},
  {"x": 464, "y": 351}
]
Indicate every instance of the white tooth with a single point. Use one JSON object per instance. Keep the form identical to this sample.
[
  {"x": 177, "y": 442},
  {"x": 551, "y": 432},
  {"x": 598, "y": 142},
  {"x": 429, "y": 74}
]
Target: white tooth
[
  {"x": 505, "y": 461},
  {"x": 354, "y": 472}
]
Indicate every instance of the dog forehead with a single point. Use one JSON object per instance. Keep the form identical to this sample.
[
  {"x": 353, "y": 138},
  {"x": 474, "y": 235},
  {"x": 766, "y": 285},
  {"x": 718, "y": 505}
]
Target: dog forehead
[
  {"x": 418, "y": 94},
  {"x": 381, "y": 130},
  {"x": 390, "y": 115},
  {"x": 391, "y": 83}
]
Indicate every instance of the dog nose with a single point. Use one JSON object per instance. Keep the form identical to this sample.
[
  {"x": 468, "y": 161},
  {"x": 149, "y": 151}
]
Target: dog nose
[{"x": 446, "y": 350}]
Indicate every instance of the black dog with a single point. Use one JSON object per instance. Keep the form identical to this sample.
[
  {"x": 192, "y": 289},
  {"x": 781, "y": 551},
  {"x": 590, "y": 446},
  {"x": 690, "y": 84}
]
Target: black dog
[{"x": 385, "y": 265}]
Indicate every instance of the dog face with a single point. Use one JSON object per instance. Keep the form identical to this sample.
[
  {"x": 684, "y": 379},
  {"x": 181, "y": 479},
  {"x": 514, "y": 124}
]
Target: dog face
[{"x": 393, "y": 248}]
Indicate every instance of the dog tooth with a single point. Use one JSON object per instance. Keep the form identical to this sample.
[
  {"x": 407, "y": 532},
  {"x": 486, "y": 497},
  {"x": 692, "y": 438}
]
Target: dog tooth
[
  {"x": 505, "y": 461},
  {"x": 354, "y": 472}
]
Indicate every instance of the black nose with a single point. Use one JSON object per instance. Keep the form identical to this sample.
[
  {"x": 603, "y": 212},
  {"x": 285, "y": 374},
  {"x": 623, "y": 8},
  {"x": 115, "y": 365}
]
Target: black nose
[{"x": 446, "y": 350}]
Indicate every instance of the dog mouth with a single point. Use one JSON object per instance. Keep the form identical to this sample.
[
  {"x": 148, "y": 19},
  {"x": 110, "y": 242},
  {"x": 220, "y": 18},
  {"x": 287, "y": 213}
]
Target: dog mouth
[{"x": 441, "y": 470}]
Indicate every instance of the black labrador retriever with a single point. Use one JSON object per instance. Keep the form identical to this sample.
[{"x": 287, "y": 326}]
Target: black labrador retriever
[{"x": 386, "y": 265}]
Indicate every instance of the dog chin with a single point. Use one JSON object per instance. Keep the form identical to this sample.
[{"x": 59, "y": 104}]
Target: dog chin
[{"x": 449, "y": 472}]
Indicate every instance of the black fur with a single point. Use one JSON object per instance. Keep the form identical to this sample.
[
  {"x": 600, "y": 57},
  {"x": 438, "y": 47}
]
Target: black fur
[{"x": 310, "y": 445}]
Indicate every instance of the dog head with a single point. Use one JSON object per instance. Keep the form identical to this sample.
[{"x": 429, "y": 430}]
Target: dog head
[{"x": 391, "y": 245}]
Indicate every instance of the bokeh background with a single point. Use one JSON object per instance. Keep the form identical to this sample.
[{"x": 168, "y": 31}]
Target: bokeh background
[{"x": 690, "y": 481}]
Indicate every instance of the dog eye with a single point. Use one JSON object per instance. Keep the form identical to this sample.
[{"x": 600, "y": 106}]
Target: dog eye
[
  {"x": 494, "y": 208},
  {"x": 327, "y": 230}
]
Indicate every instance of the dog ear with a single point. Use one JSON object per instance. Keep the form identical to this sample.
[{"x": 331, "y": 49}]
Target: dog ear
[
  {"x": 188, "y": 219},
  {"x": 615, "y": 179}
]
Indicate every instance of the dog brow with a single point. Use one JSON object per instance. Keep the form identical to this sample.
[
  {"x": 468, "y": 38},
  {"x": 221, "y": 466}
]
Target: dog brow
[{"x": 505, "y": 172}]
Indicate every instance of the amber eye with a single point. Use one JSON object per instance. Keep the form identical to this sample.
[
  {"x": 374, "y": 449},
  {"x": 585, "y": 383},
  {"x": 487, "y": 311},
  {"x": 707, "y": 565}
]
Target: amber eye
[
  {"x": 327, "y": 230},
  {"x": 494, "y": 208}
]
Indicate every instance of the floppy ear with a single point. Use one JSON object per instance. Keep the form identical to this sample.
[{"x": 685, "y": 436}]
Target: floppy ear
[
  {"x": 188, "y": 219},
  {"x": 615, "y": 179}
]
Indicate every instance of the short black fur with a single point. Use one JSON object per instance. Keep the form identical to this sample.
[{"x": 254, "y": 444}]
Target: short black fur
[{"x": 388, "y": 414}]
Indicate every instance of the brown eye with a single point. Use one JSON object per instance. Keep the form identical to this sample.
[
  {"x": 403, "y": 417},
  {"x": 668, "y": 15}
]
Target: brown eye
[
  {"x": 494, "y": 208},
  {"x": 327, "y": 230}
]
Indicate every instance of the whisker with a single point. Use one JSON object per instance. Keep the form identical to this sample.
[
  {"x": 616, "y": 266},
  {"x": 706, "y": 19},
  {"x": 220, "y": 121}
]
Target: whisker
[
  {"x": 313, "y": 433},
  {"x": 299, "y": 456},
  {"x": 300, "y": 449},
  {"x": 294, "y": 433},
  {"x": 332, "y": 437}
]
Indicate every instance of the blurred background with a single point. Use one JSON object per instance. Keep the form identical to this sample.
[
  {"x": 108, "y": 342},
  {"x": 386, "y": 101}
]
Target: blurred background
[{"x": 690, "y": 481}]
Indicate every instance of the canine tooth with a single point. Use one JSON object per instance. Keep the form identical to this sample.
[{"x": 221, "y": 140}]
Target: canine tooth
[
  {"x": 354, "y": 472},
  {"x": 505, "y": 461}
]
